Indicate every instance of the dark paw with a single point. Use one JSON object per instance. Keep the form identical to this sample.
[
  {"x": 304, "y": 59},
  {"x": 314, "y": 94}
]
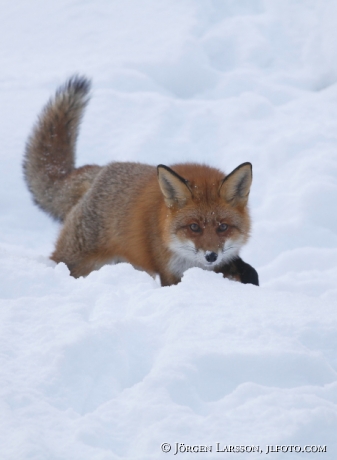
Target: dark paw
[{"x": 247, "y": 274}]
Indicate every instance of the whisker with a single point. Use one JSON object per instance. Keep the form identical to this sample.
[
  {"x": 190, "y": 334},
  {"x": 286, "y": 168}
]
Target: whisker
[{"x": 187, "y": 248}]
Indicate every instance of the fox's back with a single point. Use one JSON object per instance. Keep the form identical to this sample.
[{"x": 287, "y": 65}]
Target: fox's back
[{"x": 116, "y": 191}]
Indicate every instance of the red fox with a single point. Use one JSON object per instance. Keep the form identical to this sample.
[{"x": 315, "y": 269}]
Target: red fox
[{"x": 161, "y": 219}]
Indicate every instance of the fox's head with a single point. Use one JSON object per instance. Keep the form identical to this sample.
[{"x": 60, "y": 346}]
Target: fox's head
[{"x": 207, "y": 219}]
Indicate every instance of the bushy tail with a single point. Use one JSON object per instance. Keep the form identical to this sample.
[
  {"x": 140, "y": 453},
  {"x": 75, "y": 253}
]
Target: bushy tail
[{"x": 49, "y": 162}]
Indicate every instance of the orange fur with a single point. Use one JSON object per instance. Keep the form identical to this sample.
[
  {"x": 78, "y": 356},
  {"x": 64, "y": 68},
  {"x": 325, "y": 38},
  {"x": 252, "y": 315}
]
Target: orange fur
[{"x": 162, "y": 220}]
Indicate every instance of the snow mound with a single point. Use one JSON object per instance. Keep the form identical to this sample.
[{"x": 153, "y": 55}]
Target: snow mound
[{"x": 112, "y": 366}]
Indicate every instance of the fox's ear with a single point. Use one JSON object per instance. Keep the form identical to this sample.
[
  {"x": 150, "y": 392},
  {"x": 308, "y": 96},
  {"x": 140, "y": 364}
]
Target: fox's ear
[
  {"x": 236, "y": 186},
  {"x": 174, "y": 187}
]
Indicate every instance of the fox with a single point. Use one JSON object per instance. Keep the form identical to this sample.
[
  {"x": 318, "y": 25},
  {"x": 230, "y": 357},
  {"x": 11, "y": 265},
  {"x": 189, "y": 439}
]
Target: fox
[{"x": 163, "y": 220}]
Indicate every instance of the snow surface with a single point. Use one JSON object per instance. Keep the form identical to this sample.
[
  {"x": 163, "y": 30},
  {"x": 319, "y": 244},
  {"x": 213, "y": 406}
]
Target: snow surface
[{"x": 112, "y": 366}]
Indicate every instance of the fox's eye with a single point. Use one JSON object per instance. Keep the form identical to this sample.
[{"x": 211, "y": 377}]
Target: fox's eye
[
  {"x": 222, "y": 227},
  {"x": 195, "y": 228}
]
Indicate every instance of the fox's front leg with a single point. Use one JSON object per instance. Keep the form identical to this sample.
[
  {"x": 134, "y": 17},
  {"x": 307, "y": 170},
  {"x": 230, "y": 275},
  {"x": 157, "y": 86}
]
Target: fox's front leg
[
  {"x": 168, "y": 279},
  {"x": 239, "y": 270}
]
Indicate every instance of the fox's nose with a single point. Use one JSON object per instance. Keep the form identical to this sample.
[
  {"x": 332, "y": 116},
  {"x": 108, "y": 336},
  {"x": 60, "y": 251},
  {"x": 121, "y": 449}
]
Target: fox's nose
[{"x": 211, "y": 256}]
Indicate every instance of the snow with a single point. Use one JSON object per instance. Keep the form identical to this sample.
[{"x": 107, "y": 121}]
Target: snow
[{"x": 111, "y": 366}]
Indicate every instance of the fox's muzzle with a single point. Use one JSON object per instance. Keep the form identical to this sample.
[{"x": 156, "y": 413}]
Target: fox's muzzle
[{"x": 211, "y": 256}]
